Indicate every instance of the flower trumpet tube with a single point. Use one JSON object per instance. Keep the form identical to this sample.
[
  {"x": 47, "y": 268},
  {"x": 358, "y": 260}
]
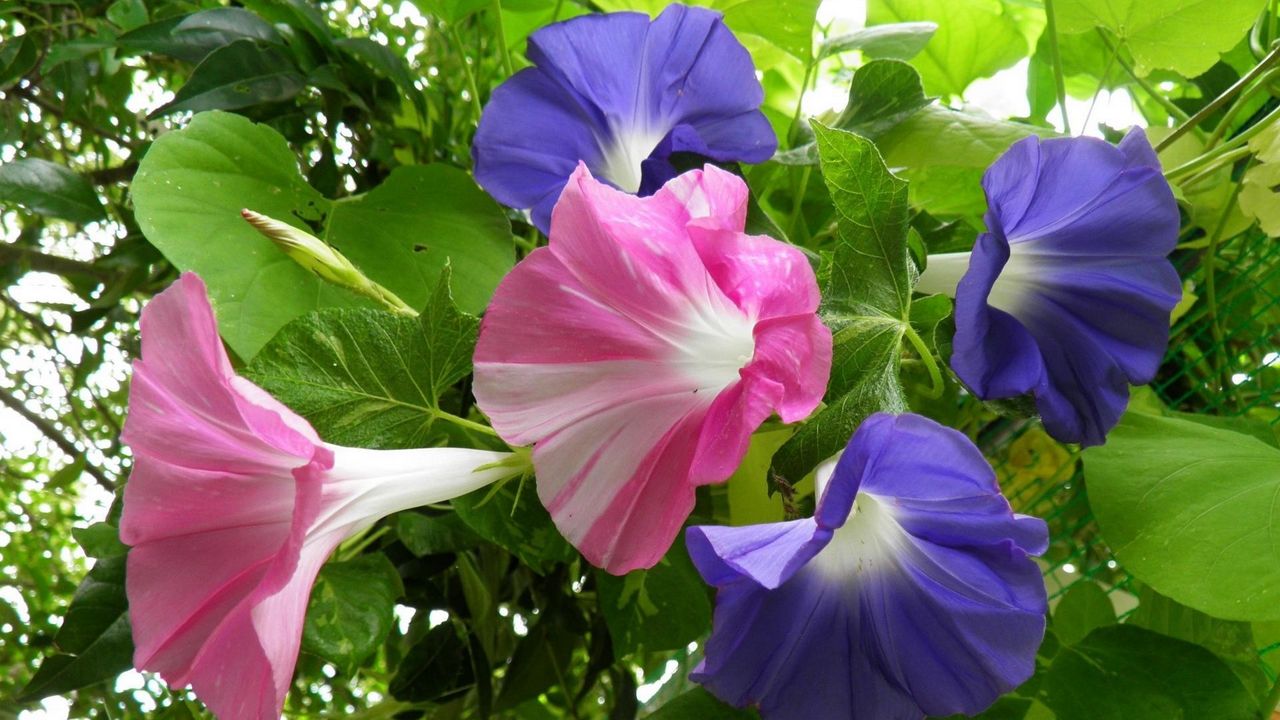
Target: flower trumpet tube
[
  {"x": 233, "y": 505},
  {"x": 911, "y": 592},
  {"x": 639, "y": 350},
  {"x": 1067, "y": 295},
  {"x": 620, "y": 93}
]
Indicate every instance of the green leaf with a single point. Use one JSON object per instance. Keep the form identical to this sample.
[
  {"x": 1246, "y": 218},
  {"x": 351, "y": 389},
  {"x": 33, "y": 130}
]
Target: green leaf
[
  {"x": 451, "y": 11},
  {"x": 899, "y": 41},
  {"x": 975, "y": 38},
  {"x": 698, "y": 704},
  {"x": 127, "y": 14},
  {"x": 191, "y": 38},
  {"x": 100, "y": 540},
  {"x": 49, "y": 189},
  {"x": 18, "y": 55},
  {"x": 882, "y": 94},
  {"x": 368, "y": 378},
  {"x": 932, "y": 320},
  {"x": 387, "y": 63},
  {"x": 943, "y": 153},
  {"x": 870, "y": 271},
  {"x": 750, "y": 502},
  {"x": 521, "y": 525},
  {"x": 788, "y": 25},
  {"x": 1122, "y": 672},
  {"x": 1084, "y": 608},
  {"x": 352, "y": 610},
  {"x": 95, "y": 642},
  {"x": 866, "y": 299},
  {"x": 663, "y": 608},
  {"x": 241, "y": 74},
  {"x": 1186, "y": 36},
  {"x": 539, "y": 661},
  {"x": 434, "y": 534},
  {"x": 192, "y": 184},
  {"x": 437, "y": 666},
  {"x": 1192, "y": 510},
  {"x": 1229, "y": 640},
  {"x": 1260, "y": 189}
]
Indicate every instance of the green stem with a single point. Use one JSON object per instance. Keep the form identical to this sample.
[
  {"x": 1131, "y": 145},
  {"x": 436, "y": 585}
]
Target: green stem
[
  {"x": 1230, "y": 117},
  {"x": 799, "y": 202},
  {"x": 1221, "y": 100},
  {"x": 804, "y": 88},
  {"x": 463, "y": 422},
  {"x": 936, "y": 385},
  {"x": 1211, "y": 294},
  {"x": 1231, "y": 150},
  {"x": 502, "y": 39},
  {"x": 1147, "y": 87},
  {"x": 1058, "y": 78},
  {"x": 1273, "y": 701},
  {"x": 466, "y": 69},
  {"x": 361, "y": 542},
  {"x": 555, "y": 14},
  {"x": 1210, "y": 171}
]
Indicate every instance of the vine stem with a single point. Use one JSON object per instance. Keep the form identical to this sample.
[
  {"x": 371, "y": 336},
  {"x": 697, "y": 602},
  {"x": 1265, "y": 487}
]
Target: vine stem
[
  {"x": 1211, "y": 295},
  {"x": 1263, "y": 66},
  {"x": 502, "y": 39},
  {"x": 1153, "y": 92},
  {"x": 1273, "y": 701},
  {"x": 1056, "y": 57},
  {"x": 936, "y": 385},
  {"x": 466, "y": 69},
  {"x": 463, "y": 422},
  {"x": 804, "y": 88},
  {"x": 1231, "y": 150}
]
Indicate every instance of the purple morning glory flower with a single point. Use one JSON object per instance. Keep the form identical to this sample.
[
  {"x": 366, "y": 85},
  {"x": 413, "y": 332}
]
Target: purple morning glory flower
[
  {"x": 911, "y": 592},
  {"x": 1067, "y": 295},
  {"x": 621, "y": 94}
]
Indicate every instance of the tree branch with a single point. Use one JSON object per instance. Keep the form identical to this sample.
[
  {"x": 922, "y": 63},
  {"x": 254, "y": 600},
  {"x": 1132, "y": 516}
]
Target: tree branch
[
  {"x": 19, "y": 254},
  {"x": 51, "y": 432},
  {"x": 26, "y": 94}
]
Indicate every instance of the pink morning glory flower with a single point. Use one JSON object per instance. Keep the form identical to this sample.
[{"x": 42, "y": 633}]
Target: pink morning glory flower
[
  {"x": 639, "y": 351},
  {"x": 233, "y": 505}
]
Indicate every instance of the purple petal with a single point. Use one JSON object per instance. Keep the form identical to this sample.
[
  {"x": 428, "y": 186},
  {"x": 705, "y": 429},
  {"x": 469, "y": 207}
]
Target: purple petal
[
  {"x": 513, "y": 159},
  {"x": 924, "y": 601},
  {"x": 767, "y": 555},
  {"x": 992, "y": 352},
  {"x": 620, "y": 94},
  {"x": 1068, "y": 297}
]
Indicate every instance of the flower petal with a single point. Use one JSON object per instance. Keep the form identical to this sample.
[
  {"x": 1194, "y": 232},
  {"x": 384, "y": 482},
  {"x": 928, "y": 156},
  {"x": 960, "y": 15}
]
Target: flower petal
[
  {"x": 992, "y": 352},
  {"x": 618, "y": 355},
  {"x": 621, "y": 94},
  {"x": 513, "y": 159},
  {"x": 211, "y": 424},
  {"x": 923, "y": 602}
]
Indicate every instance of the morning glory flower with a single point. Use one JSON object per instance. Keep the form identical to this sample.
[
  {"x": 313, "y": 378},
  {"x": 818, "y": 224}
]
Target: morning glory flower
[
  {"x": 233, "y": 505},
  {"x": 911, "y": 592},
  {"x": 1067, "y": 295},
  {"x": 621, "y": 94},
  {"x": 639, "y": 351}
]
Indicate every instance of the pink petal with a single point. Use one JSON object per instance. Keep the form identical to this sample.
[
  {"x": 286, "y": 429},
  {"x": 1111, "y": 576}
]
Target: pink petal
[
  {"x": 713, "y": 198},
  {"x": 764, "y": 277},
  {"x": 794, "y": 351},
  {"x": 183, "y": 405},
  {"x": 631, "y": 356}
]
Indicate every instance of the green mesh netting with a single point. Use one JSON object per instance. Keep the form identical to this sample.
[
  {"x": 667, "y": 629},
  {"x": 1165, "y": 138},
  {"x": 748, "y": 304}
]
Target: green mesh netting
[{"x": 1224, "y": 359}]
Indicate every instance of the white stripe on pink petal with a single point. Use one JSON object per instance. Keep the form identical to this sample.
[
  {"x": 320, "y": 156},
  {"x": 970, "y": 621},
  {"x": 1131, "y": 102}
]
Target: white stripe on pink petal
[{"x": 640, "y": 350}]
